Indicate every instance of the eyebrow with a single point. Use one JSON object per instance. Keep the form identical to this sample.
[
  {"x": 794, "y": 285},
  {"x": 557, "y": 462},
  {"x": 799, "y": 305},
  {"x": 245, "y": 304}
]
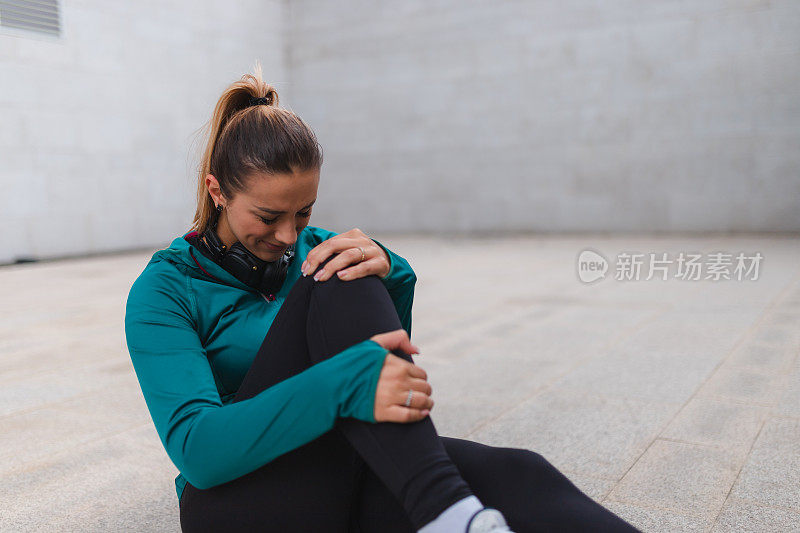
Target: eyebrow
[{"x": 273, "y": 212}]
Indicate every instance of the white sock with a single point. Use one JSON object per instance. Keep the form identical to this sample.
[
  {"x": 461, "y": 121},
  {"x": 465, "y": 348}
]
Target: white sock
[{"x": 455, "y": 517}]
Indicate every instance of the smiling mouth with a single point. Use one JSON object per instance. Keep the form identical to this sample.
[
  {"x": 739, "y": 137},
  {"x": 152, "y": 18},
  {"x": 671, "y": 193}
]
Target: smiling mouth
[{"x": 272, "y": 247}]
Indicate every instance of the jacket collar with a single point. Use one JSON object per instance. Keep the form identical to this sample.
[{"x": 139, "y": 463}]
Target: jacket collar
[{"x": 190, "y": 259}]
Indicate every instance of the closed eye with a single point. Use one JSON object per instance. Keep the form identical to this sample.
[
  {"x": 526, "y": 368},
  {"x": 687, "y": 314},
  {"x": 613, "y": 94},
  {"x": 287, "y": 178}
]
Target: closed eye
[{"x": 303, "y": 214}]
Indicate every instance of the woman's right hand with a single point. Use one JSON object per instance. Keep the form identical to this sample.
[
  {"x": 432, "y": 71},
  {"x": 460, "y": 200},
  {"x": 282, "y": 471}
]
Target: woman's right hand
[{"x": 397, "y": 377}]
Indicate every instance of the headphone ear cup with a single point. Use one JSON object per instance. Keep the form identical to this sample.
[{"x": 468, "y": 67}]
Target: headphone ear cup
[
  {"x": 215, "y": 246},
  {"x": 275, "y": 273},
  {"x": 243, "y": 264}
]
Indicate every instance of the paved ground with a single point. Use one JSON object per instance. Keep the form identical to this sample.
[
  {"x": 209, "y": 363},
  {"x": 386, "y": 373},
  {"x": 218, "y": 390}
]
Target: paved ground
[{"x": 675, "y": 403}]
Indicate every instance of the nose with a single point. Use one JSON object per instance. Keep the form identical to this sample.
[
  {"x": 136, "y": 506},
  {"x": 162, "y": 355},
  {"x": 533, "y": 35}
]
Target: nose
[{"x": 286, "y": 234}]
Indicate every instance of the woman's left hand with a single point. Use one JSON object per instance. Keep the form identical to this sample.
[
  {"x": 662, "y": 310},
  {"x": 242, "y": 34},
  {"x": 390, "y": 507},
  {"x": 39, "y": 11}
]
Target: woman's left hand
[{"x": 376, "y": 261}]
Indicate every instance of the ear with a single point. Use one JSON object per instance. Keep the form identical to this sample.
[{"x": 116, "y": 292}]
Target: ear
[{"x": 212, "y": 185}]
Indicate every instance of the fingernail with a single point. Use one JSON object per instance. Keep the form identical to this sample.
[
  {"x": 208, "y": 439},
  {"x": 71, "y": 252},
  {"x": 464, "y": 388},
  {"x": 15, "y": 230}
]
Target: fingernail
[
  {"x": 425, "y": 412},
  {"x": 318, "y": 275}
]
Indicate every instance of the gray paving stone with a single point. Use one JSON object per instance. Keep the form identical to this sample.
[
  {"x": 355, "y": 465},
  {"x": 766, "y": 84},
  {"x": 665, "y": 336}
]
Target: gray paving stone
[
  {"x": 576, "y": 330},
  {"x": 771, "y": 475},
  {"x": 777, "y": 334},
  {"x": 763, "y": 357},
  {"x": 792, "y": 300},
  {"x": 716, "y": 422},
  {"x": 740, "y": 515},
  {"x": 783, "y": 316},
  {"x": 647, "y": 376},
  {"x": 127, "y": 486},
  {"x": 459, "y": 419},
  {"x": 594, "y": 487},
  {"x": 686, "y": 478},
  {"x": 789, "y": 402},
  {"x": 583, "y": 433},
  {"x": 37, "y": 391},
  {"x": 70, "y": 423},
  {"x": 655, "y": 364},
  {"x": 496, "y": 376},
  {"x": 652, "y": 520},
  {"x": 741, "y": 384},
  {"x": 57, "y": 384}
]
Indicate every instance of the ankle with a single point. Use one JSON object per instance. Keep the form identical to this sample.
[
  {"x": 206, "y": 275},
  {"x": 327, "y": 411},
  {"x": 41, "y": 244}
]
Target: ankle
[{"x": 454, "y": 518}]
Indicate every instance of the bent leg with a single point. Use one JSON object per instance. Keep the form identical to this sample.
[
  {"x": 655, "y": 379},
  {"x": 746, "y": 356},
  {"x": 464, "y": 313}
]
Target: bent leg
[
  {"x": 530, "y": 492},
  {"x": 377, "y": 510},
  {"x": 408, "y": 457},
  {"x": 313, "y": 486}
]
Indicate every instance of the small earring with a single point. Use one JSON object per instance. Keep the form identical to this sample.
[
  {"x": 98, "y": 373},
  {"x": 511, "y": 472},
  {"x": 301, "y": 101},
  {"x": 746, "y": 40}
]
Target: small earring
[{"x": 219, "y": 208}]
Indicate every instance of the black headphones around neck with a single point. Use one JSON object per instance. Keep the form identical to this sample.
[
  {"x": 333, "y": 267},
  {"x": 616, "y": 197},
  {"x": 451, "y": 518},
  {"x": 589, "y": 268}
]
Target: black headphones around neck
[{"x": 265, "y": 276}]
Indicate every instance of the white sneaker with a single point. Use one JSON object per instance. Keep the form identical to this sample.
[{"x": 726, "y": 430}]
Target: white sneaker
[{"x": 488, "y": 520}]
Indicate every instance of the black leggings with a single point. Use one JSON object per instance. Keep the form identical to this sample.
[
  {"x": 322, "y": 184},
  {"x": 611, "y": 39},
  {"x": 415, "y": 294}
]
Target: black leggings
[{"x": 384, "y": 477}]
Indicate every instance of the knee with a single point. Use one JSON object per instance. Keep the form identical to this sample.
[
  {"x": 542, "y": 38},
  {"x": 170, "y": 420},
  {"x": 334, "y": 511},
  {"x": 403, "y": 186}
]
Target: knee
[
  {"x": 523, "y": 460},
  {"x": 309, "y": 279},
  {"x": 334, "y": 282},
  {"x": 320, "y": 267}
]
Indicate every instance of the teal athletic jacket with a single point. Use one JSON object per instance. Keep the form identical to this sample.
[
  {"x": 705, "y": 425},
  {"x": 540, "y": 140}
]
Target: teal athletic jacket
[{"x": 192, "y": 339}]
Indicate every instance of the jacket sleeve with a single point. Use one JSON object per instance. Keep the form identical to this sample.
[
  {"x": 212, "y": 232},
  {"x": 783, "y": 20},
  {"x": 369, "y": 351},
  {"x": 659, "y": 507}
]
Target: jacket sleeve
[
  {"x": 211, "y": 443},
  {"x": 399, "y": 282}
]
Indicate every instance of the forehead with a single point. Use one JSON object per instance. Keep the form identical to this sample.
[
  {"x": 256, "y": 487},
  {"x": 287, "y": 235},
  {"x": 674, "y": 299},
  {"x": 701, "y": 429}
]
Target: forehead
[{"x": 277, "y": 191}]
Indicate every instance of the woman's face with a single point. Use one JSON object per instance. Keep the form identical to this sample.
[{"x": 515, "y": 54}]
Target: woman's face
[{"x": 274, "y": 210}]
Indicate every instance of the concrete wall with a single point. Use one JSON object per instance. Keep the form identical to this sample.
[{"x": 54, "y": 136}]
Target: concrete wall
[
  {"x": 433, "y": 115},
  {"x": 618, "y": 115},
  {"x": 97, "y": 126}
]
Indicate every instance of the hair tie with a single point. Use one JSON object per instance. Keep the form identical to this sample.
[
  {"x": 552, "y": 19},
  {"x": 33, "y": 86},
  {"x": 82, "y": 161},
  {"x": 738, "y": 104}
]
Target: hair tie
[{"x": 259, "y": 100}]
